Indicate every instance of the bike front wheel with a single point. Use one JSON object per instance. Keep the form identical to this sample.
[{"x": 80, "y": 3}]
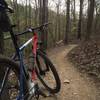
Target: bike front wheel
[{"x": 49, "y": 76}]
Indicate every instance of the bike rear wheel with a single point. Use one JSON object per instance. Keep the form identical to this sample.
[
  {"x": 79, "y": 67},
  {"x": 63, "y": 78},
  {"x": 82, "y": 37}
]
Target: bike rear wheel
[{"x": 49, "y": 78}]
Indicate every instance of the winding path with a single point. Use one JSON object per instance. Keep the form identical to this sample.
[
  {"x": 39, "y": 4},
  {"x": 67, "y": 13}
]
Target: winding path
[{"x": 75, "y": 86}]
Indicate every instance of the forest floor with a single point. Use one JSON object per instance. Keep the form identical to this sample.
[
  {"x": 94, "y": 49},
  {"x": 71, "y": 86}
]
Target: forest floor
[{"x": 75, "y": 85}]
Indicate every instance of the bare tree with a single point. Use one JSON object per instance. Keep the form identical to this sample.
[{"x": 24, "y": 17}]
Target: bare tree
[
  {"x": 40, "y": 2},
  {"x": 58, "y": 26},
  {"x": 36, "y": 12},
  {"x": 43, "y": 17},
  {"x": 26, "y": 13},
  {"x": 74, "y": 11},
  {"x": 30, "y": 15},
  {"x": 90, "y": 18},
  {"x": 80, "y": 20},
  {"x": 97, "y": 16},
  {"x": 67, "y": 21}
]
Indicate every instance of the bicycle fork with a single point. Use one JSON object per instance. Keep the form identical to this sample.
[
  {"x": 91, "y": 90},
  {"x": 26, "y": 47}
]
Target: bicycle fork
[
  {"x": 33, "y": 89},
  {"x": 22, "y": 76}
]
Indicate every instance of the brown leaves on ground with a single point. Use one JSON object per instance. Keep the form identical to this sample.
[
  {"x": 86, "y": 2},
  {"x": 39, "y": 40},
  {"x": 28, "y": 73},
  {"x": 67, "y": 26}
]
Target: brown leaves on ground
[{"x": 87, "y": 57}]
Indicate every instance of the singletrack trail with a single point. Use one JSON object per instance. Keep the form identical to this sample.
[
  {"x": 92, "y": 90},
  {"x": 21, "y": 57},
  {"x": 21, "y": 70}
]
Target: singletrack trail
[{"x": 75, "y": 86}]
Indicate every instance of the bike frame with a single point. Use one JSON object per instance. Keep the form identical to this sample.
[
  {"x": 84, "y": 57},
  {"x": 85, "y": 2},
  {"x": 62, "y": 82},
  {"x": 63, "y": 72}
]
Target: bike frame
[
  {"x": 34, "y": 41},
  {"x": 19, "y": 54}
]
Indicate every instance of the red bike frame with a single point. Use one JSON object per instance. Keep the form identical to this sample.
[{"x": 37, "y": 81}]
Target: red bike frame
[{"x": 34, "y": 50}]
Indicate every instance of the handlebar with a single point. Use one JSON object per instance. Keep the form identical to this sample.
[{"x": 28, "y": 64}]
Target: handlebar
[
  {"x": 34, "y": 29},
  {"x": 30, "y": 30}
]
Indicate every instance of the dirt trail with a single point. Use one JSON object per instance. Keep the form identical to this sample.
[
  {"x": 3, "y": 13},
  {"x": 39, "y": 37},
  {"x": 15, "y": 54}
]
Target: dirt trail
[{"x": 79, "y": 87}]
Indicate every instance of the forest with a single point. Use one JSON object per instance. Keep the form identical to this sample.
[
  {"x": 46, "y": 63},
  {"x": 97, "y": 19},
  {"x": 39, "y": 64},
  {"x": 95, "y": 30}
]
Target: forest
[
  {"x": 71, "y": 40},
  {"x": 71, "y": 20}
]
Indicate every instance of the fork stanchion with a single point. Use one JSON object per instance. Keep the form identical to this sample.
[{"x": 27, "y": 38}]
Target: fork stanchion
[{"x": 21, "y": 95}]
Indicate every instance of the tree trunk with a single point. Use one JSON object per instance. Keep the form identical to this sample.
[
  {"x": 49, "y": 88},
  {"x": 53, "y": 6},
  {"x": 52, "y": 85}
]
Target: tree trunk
[
  {"x": 96, "y": 20},
  {"x": 26, "y": 24},
  {"x": 43, "y": 19},
  {"x": 56, "y": 24},
  {"x": 74, "y": 12},
  {"x": 67, "y": 21},
  {"x": 30, "y": 16},
  {"x": 80, "y": 20},
  {"x": 40, "y": 11},
  {"x": 74, "y": 15},
  {"x": 90, "y": 18},
  {"x": 36, "y": 12},
  {"x": 59, "y": 26}
]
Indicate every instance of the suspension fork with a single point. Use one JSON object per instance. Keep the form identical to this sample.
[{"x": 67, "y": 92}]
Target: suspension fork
[
  {"x": 22, "y": 77},
  {"x": 22, "y": 71}
]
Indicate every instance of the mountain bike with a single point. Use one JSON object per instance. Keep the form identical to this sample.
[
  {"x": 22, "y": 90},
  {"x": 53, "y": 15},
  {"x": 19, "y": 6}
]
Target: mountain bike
[{"x": 21, "y": 80}]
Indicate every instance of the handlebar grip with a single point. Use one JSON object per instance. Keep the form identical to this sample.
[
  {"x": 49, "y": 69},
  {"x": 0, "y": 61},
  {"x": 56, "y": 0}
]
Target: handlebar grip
[{"x": 45, "y": 24}]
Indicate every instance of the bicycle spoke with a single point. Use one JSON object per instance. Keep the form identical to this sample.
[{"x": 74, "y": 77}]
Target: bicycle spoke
[{"x": 4, "y": 80}]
